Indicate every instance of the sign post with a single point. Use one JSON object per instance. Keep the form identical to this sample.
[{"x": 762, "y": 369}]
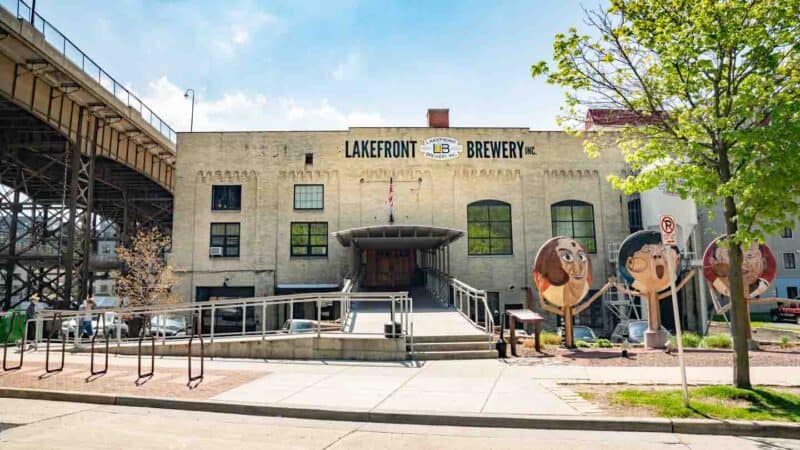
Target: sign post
[{"x": 668, "y": 226}]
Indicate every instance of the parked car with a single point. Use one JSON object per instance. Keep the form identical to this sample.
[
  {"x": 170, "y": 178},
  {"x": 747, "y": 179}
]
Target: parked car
[
  {"x": 580, "y": 333},
  {"x": 169, "y": 326},
  {"x": 300, "y": 326},
  {"x": 631, "y": 331},
  {"x": 786, "y": 311},
  {"x": 112, "y": 321}
]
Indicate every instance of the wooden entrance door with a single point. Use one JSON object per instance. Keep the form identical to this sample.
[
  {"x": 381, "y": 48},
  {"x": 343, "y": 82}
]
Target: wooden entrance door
[{"x": 389, "y": 268}]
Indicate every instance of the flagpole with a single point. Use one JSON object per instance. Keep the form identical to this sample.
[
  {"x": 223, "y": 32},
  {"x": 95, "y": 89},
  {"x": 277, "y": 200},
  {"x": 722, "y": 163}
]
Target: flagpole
[{"x": 391, "y": 200}]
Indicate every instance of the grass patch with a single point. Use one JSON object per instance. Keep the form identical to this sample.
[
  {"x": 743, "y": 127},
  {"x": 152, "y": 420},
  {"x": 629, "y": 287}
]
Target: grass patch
[
  {"x": 718, "y": 341},
  {"x": 604, "y": 343},
  {"x": 716, "y": 402},
  {"x": 549, "y": 338},
  {"x": 589, "y": 396},
  {"x": 690, "y": 340}
]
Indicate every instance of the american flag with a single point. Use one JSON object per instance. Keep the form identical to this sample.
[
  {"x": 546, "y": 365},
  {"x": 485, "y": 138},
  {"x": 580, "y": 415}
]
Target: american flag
[{"x": 390, "y": 200}]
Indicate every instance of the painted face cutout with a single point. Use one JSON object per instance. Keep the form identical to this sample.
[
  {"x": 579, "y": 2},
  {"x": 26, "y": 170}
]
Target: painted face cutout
[
  {"x": 562, "y": 271},
  {"x": 648, "y": 266},
  {"x": 643, "y": 262},
  {"x": 758, "y": 267}
]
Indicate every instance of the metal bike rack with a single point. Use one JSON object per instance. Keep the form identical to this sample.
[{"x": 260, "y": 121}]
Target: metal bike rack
[
  {"x": 196, "y": 330},
  {"x": 14, "y": 316},
  {"x": 105, "y": 331},
  {"x": 147, "y": 326},
  {"x": 57, "y": 322}
]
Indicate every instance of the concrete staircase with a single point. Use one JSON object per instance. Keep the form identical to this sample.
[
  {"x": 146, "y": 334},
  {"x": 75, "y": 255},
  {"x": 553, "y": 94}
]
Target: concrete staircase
[{"x": 473, "y": 346}]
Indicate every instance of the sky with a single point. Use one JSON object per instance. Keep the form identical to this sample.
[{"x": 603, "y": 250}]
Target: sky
[{"x": 325, "y": 65}]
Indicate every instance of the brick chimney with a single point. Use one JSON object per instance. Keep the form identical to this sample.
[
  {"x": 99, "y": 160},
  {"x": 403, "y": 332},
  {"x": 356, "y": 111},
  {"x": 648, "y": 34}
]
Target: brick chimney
[{"x": 438, "y": 118}]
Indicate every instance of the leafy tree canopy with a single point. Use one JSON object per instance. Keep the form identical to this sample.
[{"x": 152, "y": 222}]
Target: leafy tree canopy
[{"x": 716, "y": 86}]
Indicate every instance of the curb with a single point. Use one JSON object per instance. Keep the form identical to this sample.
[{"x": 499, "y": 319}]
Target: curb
[{"x": 635, "y": 424}]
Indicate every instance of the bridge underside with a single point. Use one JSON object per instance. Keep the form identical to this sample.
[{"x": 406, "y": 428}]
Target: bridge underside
[{"x": 56, "y": 202}]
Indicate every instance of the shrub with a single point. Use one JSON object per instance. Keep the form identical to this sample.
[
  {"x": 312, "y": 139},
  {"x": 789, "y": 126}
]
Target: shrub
[
  {"x": 582, "y": 344},
  {"x": 691, "y": 340},
  {"x": 604, "y": 343},
  {"x": 718, "y": 341},
  {"x": 784, "y": 342},
  {"x": 549, "y": 338}
]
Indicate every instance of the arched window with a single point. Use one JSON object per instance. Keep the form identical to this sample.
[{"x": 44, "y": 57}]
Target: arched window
[
  {"x": 489, "y": 228},
  {"x": 575, "y": 219}
]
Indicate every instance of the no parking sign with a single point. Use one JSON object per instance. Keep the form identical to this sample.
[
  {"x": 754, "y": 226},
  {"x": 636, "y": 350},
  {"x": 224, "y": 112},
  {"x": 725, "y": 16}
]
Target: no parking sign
[{"x": 668, "y": 227}]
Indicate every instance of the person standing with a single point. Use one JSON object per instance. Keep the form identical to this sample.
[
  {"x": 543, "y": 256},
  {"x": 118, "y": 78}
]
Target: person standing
[
  {"x": 86, "y": 318},
  {"x": 30, "y": 314}
]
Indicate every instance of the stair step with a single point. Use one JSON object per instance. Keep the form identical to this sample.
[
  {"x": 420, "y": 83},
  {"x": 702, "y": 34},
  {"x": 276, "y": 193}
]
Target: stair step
[
  {"x": 467, "y": 354},
  {"x": 451, "y": 346},
  {"x": 452, "y": 338}
]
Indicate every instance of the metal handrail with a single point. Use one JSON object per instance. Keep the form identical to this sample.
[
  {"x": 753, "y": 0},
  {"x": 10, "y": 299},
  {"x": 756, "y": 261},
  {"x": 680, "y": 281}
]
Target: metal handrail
[
  {"x": 196, "y": 329},
  {"x": 250, "y": 301},
  {"x": 14, "y": 316},
  {"x": 146, "y": 325},
  {"x": 94, "y": 337},
  {"x": 438, "y": 283},
  {"x": 56, "y": 328},
  {"x": 58, "y": 41}
]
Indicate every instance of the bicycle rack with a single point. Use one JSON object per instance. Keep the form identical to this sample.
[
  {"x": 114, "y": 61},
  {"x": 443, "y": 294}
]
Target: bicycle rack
[
  {"x": 14, "y": 316},
  {"x": 152, "y": 350},
  {"x": 105, "y": 331},
  {"x": 196, "y": 330},
  {"x": 57, "y": 322}
]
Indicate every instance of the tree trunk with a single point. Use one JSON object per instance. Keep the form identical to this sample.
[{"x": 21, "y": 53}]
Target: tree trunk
[{"x": 740, "y": 322}]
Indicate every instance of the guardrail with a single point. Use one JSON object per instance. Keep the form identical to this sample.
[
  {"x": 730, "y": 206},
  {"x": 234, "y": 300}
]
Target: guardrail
[
  {"x": 400, "y": 300},
  {"x": 76, "y": 56},
  {"x": 467, "y": 300},
  {"x": 400, "y": 306}
]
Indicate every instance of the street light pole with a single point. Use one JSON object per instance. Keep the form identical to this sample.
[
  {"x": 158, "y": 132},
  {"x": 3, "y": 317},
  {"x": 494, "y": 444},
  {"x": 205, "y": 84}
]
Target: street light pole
[{"x": 191, "y": 118}]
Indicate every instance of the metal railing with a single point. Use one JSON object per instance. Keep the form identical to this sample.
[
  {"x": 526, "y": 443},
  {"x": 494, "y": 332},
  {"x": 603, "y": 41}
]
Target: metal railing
[
  {"x": 400, "y": 304},
  {"x": 57, "y": 40},
  {"x": 400, "y": 307},
  {"x": 470, "y": 302}
]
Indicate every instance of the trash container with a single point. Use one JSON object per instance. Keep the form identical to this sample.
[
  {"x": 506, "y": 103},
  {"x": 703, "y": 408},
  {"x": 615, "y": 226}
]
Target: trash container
[{"x": 17, "y": 327}]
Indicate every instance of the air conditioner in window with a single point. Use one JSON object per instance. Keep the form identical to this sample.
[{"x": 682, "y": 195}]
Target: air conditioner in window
[{"x": 215, "y": 251}]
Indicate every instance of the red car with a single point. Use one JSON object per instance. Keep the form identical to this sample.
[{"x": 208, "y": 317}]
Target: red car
[{"x": 790, "y": 311}]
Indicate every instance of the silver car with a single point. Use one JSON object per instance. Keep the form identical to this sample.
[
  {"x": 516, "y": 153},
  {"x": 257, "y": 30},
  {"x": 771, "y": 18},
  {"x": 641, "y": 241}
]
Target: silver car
[
  {"x": 112, "y": 322},
  {"x": 300, "y": 326},
  {"x": 631, "y": 331},
  {"x": 169, "y": 326}
]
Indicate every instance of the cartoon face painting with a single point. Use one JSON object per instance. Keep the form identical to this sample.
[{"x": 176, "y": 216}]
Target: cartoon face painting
[
  {"x": 643, "y": 262},
  {"x": 758, "y": 267},
  {"x": 562, "y": 271}
]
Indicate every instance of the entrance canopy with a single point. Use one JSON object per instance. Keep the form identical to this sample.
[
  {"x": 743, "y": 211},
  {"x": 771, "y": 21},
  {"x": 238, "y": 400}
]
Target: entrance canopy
[{"x": 397, "y": 236}]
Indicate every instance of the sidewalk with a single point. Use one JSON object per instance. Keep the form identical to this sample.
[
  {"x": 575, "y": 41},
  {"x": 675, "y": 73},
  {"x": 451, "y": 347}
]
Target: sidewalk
[{"x": 512, "y": 387}]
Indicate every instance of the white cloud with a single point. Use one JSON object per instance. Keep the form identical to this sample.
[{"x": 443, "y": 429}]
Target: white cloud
[
  {"x": 239, "y": 24},
  {"x": 239, "y": 111},
  {"x": 348, "y": 68}
]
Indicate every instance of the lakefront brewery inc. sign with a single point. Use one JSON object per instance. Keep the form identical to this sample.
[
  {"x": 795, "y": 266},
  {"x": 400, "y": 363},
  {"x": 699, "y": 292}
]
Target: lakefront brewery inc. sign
[{"x": 441, "y": 148}]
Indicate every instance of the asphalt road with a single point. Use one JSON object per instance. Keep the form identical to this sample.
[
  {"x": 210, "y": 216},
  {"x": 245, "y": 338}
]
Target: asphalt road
[{"x": 37, "y": 424}]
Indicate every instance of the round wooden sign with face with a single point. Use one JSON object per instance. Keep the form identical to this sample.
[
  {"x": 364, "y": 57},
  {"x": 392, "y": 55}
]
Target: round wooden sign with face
[
  {"x": 642, "y": 262},
  {"x": 758, "y": 267},
  {"x": 562, "y": 271}
]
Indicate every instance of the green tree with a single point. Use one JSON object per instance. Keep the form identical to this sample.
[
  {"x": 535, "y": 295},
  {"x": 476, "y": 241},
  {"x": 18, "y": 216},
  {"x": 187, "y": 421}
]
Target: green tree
[{"x": 716, "y": 88}]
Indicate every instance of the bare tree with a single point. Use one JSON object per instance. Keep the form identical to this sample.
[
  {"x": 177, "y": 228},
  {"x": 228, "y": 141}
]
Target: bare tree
[{"x": 146, "y": 279}]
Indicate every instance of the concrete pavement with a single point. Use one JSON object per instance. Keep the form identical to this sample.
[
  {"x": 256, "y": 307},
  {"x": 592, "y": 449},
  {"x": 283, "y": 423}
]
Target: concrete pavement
[
  {"x": 512, "y": 387},
  {"x": 36, "y": 424}
]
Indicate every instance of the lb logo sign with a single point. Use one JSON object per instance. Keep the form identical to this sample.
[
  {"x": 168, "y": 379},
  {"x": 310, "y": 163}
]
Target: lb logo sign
[{"x": 441, "y": 148}]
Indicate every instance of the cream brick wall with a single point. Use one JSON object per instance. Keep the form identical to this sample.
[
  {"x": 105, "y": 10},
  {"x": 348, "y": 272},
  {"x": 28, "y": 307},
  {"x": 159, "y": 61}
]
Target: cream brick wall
[{"x": 427, "y": 192}]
